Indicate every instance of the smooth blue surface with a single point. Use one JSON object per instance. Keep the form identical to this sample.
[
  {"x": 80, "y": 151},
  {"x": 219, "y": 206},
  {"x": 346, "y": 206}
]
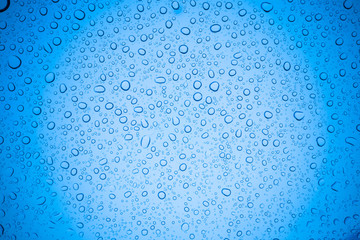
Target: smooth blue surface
[{"x": 179, "y": 120}]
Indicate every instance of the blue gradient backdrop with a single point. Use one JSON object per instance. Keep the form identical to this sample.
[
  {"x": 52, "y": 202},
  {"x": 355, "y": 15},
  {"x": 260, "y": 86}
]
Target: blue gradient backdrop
[{"x": 179, "y": 119}]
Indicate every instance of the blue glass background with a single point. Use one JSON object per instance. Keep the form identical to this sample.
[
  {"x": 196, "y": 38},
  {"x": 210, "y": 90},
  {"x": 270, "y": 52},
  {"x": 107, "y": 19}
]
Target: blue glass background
[{"x": 179, "y": 119}]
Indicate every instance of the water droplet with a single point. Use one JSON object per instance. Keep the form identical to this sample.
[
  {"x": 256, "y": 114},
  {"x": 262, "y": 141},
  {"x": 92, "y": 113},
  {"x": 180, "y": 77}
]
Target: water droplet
[
  {"x": 145, "y": 141},
  {"x": 266, "y": 6},
  {"x": 215, "y": 28},
  {"x": 183, "y": 49},
  {"x": 226, "y": 192},
  {"x": 79, "y": 14},
  {"x": 160, "y": 80},
  {"x": 268, "y": 114},
  {"x": 50, "y": 77},
  {"x": 14, "y": 62},
  {"x": 214, "y": 86},
  {"x": 185, "y": 227},
  {"x": 161, "y": 195},
  {"x": 298, "y": 115},
  {"x": 185, "y": 30},
  {"x": 320, "y": 141},
  {"x": 287, "y": 66},
  {"x": 26, "y": 140},
  {"x": 99, "y": 89},
  {"x": 125, "y": 85}
]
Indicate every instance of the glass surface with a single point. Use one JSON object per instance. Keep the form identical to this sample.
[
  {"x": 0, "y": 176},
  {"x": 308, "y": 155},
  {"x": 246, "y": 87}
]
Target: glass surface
[{"x": 179, "y": 119}]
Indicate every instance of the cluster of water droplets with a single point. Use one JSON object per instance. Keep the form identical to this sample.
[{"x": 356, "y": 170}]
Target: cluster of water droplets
[{"x": 179, "y": 120}]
